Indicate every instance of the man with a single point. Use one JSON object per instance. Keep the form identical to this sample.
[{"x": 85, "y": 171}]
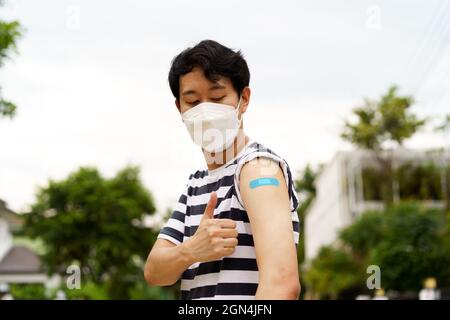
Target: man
[{"x": 234, "y": 232}]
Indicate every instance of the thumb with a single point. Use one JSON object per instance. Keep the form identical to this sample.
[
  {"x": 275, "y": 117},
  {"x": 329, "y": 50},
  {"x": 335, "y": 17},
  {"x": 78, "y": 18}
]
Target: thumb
[{"x": 209, "y": 210}]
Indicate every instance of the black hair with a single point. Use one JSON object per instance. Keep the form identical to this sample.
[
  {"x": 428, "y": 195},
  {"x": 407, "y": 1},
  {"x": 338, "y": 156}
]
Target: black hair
[{"x": 215, "y": 60}]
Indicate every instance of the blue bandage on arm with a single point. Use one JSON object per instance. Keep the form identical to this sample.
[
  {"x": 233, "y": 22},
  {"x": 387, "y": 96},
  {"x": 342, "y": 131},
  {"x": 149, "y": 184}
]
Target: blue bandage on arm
[{"x": 264, "y": 182}]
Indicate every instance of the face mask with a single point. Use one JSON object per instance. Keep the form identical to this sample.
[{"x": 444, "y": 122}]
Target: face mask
[{"x": 213, "y": 126}]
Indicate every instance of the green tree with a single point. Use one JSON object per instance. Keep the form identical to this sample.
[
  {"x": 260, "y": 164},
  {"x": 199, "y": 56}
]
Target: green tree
[
  {"x": 28, "y": 291},
  {"x": 411, "y": 248},
  {"x": 332, "y": 272},
  {"x": 363, "y": 235},
  {"x": 388, "y": 119},
  {"x": 306, "y": 182},
  {"x": 307, "y": 191},
  {"x": 444, "y": 128},
  {"x": 408, "y": 242},
  {"x": 96, "y": 223},
  {"x": 9, "y": 34}
]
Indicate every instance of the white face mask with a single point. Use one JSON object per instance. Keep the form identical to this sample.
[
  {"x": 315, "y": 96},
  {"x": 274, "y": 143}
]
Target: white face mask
[{"x": 213, "y": 126}]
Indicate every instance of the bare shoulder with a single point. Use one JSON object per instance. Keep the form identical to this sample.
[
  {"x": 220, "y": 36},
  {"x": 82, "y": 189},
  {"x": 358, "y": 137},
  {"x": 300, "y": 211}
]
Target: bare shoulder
[{"x": 260, "y": 167}]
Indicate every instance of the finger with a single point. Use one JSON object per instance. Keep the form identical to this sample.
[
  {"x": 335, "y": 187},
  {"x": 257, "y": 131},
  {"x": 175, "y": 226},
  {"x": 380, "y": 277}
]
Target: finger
[
  {"x": 227, "y": 233},
  {"x": 228, "y": 251},
  {"x": 209, "y": 210},
  {"x": 225, "y": 223},
  {"x": 229, "y": 242}
]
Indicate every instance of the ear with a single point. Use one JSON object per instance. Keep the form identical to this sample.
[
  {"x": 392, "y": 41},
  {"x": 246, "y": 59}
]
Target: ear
[
  {"x": 177, "y": 104},
  {"x": 245, "y": 99}
]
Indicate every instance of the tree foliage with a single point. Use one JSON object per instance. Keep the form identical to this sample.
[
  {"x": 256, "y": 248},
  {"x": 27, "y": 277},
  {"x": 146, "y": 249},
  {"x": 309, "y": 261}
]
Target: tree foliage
[
  {"x": 444, "y": 126},
  {"x": 9, "y": 34},
  {"x": 305, "y": 187},
  {"x": 377, "y": 122},
  {"x": 332, "y": 272},
  {"x": 96, "y": 223},
  {"x": 408, "y": 242}
]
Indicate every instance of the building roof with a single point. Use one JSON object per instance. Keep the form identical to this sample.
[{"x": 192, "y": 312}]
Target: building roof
[
  {"x": 12, "y": 218},
  {"x": 20, "y": 259}
]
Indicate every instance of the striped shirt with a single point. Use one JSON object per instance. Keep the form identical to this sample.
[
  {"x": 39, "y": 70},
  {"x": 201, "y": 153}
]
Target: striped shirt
[{"x": 234, "y": 276}]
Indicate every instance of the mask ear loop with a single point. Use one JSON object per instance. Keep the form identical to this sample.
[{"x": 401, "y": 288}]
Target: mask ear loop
[{"x": 237, "y": 110}]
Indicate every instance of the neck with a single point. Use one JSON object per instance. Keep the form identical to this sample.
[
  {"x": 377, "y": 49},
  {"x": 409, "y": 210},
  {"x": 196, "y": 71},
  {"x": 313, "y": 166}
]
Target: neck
[{"x": 218, "y": 159}]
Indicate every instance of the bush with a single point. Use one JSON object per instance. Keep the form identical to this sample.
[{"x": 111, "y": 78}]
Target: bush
[
  {"x": 408, "y": 242},
  {"x": 27, "y": 291},
  {"x": 332, "y": 272},
  {"x": 419, "y": 182}
]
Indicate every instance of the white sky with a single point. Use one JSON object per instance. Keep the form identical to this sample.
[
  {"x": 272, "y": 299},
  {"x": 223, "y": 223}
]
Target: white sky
[{"x": 91, "y": 85}]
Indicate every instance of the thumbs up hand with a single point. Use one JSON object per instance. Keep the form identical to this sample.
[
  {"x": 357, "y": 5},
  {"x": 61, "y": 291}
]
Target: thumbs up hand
[
  {"x": 209, "y": 210},
  {"x": 214, "y": 238}
]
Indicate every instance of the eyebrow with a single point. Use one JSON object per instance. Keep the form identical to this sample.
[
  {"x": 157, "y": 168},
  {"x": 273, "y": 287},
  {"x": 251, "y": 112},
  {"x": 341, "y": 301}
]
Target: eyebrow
[{"x": 215, "y": 86}]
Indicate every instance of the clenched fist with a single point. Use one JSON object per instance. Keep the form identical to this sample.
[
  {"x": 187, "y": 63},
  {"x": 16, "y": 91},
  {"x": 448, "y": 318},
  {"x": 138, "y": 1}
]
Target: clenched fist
[{"x": 214, "y": 238}]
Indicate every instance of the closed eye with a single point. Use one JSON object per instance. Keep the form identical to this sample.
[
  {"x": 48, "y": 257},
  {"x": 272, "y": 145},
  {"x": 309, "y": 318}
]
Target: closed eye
[
  {"x": 193, "y": 102},
  {"x": 217, "y": 99}
]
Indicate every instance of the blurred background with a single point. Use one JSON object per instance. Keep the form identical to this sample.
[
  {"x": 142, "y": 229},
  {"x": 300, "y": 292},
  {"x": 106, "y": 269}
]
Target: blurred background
[{"x": 93, "y": 153}]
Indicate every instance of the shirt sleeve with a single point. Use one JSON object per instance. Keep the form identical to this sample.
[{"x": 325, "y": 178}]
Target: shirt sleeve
[
  {"x": 173, "y": 229},
  {"x": 284, "y": 167}
]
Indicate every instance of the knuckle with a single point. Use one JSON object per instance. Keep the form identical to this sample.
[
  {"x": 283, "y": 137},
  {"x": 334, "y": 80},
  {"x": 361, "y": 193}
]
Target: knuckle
[{"x": 211, "y": 232}]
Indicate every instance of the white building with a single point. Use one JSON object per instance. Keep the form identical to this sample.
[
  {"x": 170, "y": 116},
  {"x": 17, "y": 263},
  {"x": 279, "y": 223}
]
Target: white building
[
  {"x": 18, "y": 264},
  {"x": 339, "y": 194}
]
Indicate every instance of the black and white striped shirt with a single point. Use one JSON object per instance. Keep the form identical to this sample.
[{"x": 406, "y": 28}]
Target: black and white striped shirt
[{"x": 234, "y": 276}]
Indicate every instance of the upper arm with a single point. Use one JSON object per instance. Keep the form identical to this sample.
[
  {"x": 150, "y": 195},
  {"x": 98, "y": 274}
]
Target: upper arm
[
  {"x": 163, "y": 243},
  {"x": 268, "y": 209},
  {"x": 159, "y": 244}
]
